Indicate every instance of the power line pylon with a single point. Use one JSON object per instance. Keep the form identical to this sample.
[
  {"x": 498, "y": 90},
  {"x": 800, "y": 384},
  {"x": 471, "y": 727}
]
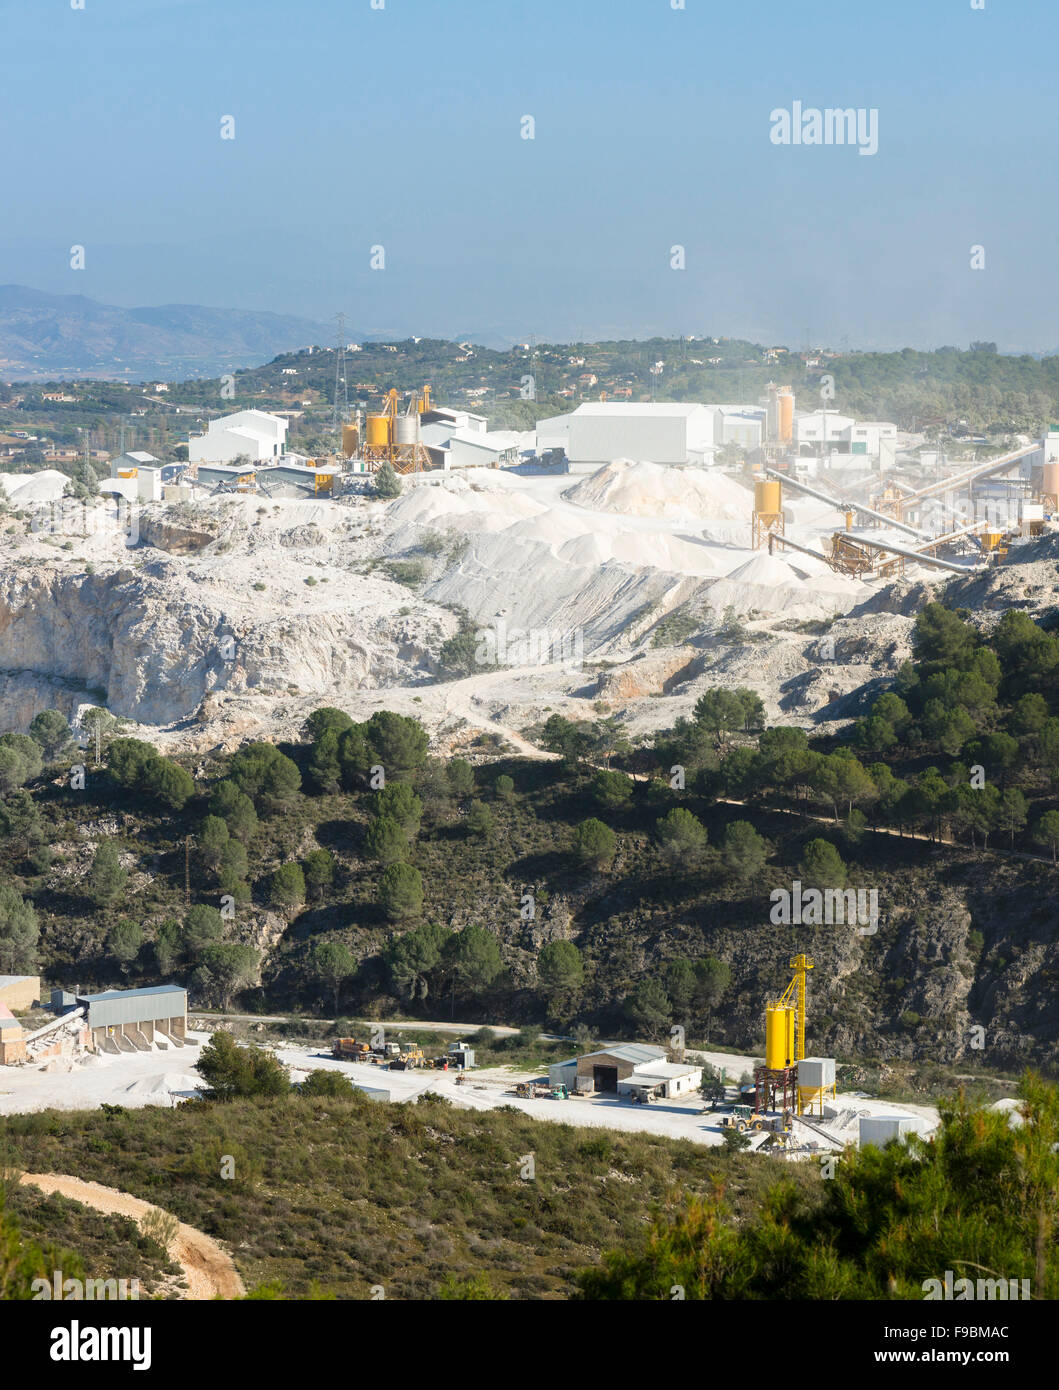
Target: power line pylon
[{"x": 340, "y": 413}]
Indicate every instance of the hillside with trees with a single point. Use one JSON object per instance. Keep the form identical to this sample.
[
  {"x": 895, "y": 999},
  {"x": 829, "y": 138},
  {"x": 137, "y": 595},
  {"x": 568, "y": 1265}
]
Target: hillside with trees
[{"x": 354, "y": 873}]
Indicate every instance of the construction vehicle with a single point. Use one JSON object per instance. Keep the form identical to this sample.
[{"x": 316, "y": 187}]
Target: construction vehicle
[
  {"x": 743, "y": 1118},
  {"x": 540, "y": 1090},
  {"x": 410, "y": 1059},
  {"x": 351, "y": 1050}
]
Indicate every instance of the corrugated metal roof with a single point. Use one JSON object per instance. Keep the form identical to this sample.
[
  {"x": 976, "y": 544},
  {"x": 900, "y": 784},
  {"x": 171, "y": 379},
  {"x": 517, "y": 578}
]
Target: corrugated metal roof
[
  {"x": 630, "y": 1052},
  {"x": 132, "y": 993},
  {"x": 658, "y": 409},
  {"x": 663, "y": 1071}
]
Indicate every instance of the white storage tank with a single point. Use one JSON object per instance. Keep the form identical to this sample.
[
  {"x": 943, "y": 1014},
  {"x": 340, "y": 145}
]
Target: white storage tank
[
  {"x": 816, "y": 1072},
  {"x": 407, "y": 431},
  {"x": 880, "y": 1129},
  {"x": 149, "y": 484},
  {"x": 816, "y": 1084}
]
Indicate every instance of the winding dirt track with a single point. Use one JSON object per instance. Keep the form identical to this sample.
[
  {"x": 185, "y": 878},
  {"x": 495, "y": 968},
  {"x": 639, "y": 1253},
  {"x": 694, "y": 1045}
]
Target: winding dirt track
[{"x": 209, "y": 1271}]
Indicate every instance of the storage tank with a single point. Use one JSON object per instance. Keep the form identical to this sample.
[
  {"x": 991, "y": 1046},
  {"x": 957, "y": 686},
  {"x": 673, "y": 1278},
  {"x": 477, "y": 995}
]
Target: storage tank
[
  {"x": 785, "y": 406},
  {"x": 407, "y": 429},
  {"x": 779, "y": 1036},
  {"x": 772, "y": 413},
  {"x": 768, "y": 497},
  {"x": 1050, "y": 480},
  {"x": 880, "y": 1129},
  {"x": 816, "y": 1083},
  {"x": 378, "y": 431},
  {"x": 350, "y": 440},
  {"x": 816, "y": 1071}
]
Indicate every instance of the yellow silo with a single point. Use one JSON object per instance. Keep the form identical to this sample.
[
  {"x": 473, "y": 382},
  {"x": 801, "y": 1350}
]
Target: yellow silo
[
  {"x": 768, "y": 497},
  {"x": 779, "y": 1036},
  {"x": 378, "y": 431}
]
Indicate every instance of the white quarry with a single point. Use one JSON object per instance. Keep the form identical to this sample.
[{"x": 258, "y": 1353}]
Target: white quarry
[{"x": 235, "y": 616}]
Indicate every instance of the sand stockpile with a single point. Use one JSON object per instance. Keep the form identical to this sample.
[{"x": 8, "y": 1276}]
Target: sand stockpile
[
  {"x": 653, "y": 489},
  {"x": 46, "y": 486},
  {"x": 679, "y": 554},
  {"x": 166, "y": 1084},
  {"x": 766, "y": 584},
  {"x": 767, "y": 570}
]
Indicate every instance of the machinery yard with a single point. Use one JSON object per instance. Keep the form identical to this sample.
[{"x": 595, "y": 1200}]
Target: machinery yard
[{"x": 137, "y": 1079}]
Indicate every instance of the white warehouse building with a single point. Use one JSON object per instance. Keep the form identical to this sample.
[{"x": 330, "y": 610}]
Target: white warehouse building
[
  {"x": 253, "y": 433},
  {"x": 600, "y": 432},
  {"x": 742, "y": 425}
]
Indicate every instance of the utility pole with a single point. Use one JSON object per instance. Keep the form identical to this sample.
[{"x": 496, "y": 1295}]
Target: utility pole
[
  {"x": 340, "y": 413},
  {"x": 187, "y": 870}
]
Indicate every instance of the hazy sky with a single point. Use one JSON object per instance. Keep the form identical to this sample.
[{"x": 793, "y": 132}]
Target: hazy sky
[{"x": 400, "y": 127}]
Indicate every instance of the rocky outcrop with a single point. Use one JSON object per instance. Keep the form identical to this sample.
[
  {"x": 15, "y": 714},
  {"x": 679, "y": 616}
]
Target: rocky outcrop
[
  {"x": 154, "y": 645},
  {"x": 649, "y": 675}
]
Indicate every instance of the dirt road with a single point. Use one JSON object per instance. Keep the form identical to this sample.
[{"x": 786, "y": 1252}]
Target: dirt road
[
  {"x": 462, "y": 698},
  {"x": 209, "y": 1271}
]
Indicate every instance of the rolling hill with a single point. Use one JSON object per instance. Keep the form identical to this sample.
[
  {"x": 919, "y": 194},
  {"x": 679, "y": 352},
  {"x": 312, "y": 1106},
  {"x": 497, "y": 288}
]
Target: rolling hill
[{"x": 53, "y": 335}]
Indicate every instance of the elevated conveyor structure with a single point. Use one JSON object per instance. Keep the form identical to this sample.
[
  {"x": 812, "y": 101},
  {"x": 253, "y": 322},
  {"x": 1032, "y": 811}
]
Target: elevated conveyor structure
[
  {"x": 958, "y": 481},
  {"x": 846, "y": 506},
  {"x": 866, "y": 545}
]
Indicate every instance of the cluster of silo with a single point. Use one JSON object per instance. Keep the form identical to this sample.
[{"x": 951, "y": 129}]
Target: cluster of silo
[{"x": 779, "y": 414}]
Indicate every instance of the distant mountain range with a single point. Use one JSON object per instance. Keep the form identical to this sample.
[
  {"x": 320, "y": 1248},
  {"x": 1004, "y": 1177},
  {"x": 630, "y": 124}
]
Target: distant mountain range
[{"x": 67, "y": 335}]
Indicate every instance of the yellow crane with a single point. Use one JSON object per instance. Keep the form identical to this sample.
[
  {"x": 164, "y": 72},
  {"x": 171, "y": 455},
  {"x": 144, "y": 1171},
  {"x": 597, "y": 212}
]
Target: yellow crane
[{"x": 794, "y": 995}]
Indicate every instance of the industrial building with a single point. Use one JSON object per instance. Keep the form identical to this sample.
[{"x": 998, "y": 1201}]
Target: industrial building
[
  {"x": 468, "y": 447},
  {"x": 602, "y": 431},
  {"x": 138, "y": 477},
  {"x": 19, "y": 991},
  {"x": 741, "y": 425},
  {"x": 661, "y": 1081},
  {"x": 12, "y": 1038},
  {"x": 129, "y": 1020},
  {"x": 290, "y": 475},
  {"x": 638, "y": 1071},
  {"x": 825, "y": 432},
  {"x": 253, "y": 434}
]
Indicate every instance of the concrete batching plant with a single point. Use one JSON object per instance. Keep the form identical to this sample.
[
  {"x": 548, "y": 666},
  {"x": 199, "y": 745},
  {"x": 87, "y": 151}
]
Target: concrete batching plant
[{"x": 392, "y": 437}]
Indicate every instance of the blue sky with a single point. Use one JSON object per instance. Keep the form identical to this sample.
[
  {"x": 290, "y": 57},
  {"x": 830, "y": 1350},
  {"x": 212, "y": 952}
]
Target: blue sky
[{"x": 401, "y": 127}]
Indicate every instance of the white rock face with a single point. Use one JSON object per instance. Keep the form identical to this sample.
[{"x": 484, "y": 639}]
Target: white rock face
[
  {"x": 152, "y": 635},
  {"x": 234, "y": 617}
]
